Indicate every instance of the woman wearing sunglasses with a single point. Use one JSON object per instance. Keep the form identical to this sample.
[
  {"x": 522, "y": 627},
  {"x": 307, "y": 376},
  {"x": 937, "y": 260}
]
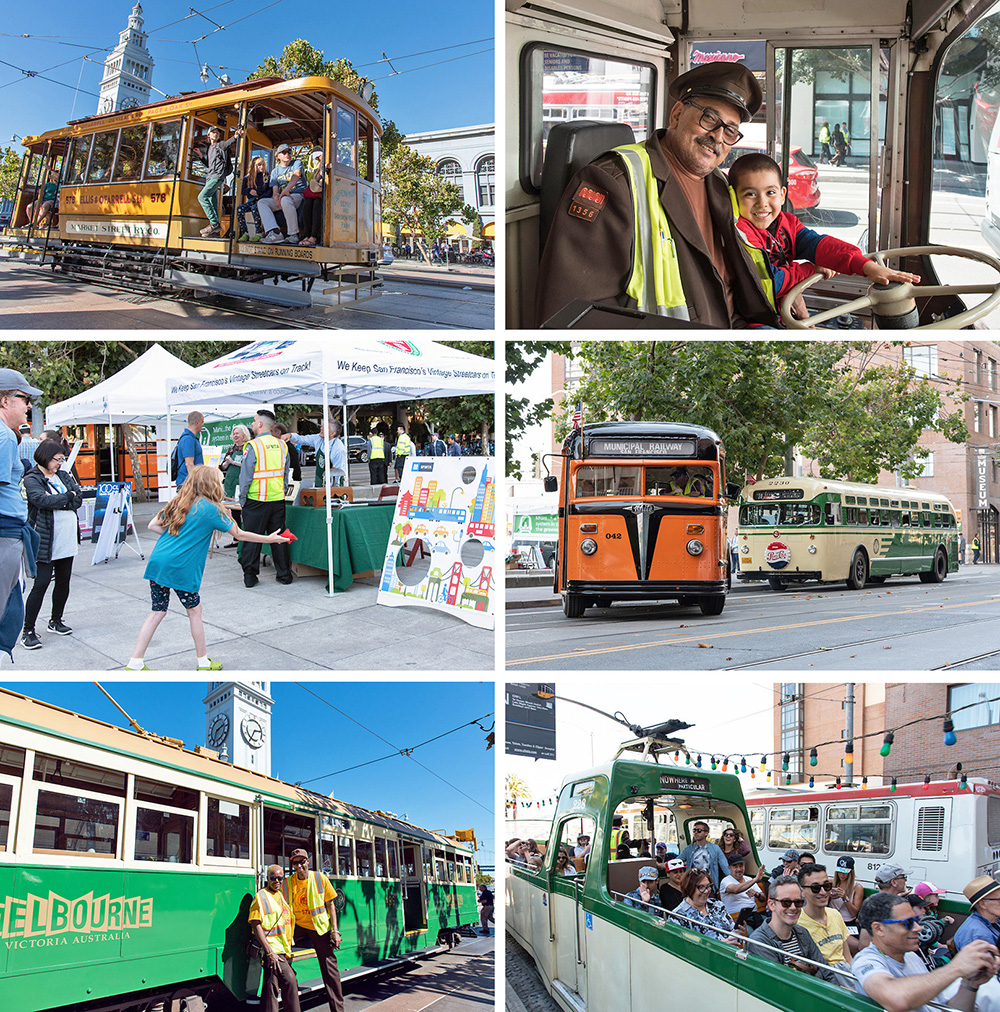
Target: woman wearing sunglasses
[
  {"x": 732, "y": 843},
  {"x": 848, "y": 894},
  {"x": 564, "y": 866},
  {"x": 705, "y": 915}
]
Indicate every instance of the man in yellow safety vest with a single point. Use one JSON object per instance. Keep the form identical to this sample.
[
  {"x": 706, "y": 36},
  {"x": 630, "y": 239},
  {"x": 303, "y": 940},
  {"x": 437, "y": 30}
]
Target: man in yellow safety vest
[
  {"x": 402, "y": 449},
  {"x": 378, "y": 458},
  {"x": 263, "y": 481},
  {"x": 651, "y": 226},
  {"x": 271, "y": 923},
  {"x": 312, "y": 899}
]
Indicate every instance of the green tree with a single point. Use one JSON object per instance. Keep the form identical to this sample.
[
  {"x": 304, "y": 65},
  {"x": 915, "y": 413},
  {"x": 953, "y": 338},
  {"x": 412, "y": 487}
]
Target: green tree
[
  {"x": 474, "y": 413},
  {"x": 10, "y": 169},
  {"x": 522, "y": 359},
  {"x": 416, "y": 199}
]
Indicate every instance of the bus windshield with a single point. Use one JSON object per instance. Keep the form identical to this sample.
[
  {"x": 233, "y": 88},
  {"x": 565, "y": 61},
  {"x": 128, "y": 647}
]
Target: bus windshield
[
  {"x": 631, "y": 479},
  {"x": 787, "y": 514}
]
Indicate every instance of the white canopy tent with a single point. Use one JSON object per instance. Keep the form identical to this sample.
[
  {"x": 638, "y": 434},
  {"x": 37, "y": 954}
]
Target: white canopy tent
[
  {"x": 136, "y": 395},
  {"x": 341, "y": 371}
]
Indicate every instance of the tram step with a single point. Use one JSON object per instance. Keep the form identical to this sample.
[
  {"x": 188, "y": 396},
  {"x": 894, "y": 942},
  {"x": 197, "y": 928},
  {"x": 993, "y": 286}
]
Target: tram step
[{"x": 273, "y": 294}]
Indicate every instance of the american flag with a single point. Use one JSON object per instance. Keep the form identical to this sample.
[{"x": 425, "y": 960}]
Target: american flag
[{"x": 578, "y": 415}]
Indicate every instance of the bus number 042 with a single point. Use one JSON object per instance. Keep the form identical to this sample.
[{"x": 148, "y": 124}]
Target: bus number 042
[{"x": 615, "y": 536}]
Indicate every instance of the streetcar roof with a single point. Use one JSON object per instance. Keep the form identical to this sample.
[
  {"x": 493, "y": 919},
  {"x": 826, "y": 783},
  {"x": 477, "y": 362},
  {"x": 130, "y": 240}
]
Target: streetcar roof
[
  {"x": 706, "y": 444},
  {"x": 33, "y": 714},
  {"x": 299, "y": 101},
  {"x": 937, "y": 788},
  {"x": 813, "y": 487}
]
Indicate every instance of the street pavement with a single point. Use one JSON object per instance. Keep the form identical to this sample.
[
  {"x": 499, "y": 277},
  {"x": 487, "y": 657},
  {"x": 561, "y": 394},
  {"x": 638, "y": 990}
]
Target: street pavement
[
  {"x": 270, "y": 627},
  {"x": 525, "y": 991}
]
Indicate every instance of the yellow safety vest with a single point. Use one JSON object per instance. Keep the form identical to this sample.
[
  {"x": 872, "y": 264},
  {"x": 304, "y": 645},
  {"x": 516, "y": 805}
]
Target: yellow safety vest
[
  {"x": 756, "y": 255},
  {"x": 616, "y": 835},
  {"x": 317, "y": 908},
  {"x": 378, "y": 448},
  {"x": 271, "y": 920},
  {"x": 268, "y": 484},
  {"x": 403, "y": 446},
  {"x": 655, "y": 282}
]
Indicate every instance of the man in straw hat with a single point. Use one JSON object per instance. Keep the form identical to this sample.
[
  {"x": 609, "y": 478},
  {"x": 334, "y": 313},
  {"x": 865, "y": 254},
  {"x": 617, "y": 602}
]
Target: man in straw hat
[
  {"x": 983, "y": 894},
  {"x": 651, "y": 225}
]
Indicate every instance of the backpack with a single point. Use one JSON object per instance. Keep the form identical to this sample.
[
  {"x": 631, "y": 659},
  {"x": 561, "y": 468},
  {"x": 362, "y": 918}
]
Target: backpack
[{"x": 175, "y": 464}]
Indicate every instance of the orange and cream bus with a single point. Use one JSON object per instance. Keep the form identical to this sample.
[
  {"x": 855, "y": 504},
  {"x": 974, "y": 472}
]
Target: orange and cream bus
[{"x": 642, "y": 516}]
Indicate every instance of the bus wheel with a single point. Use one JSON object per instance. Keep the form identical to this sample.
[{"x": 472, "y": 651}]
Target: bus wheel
[
  {"x": 858, "y": 575},
  {"x": 573, "y": 605},
  {"x": 775, "y": 583},
  {"x": 940, "y": 570},
  {"x": 711, "y": 605}
]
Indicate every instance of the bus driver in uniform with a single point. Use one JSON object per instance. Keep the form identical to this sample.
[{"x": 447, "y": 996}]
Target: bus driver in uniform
[
  {"x": 312, "y": 899},
  {"x": 665, "y": 198}
]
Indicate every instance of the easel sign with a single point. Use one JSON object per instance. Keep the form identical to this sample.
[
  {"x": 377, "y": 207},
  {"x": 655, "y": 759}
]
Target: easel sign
[
  {"x": 111, "y": 526},
  {"x": 105, "y": 489},
  {"x": 442, "y": 549}
]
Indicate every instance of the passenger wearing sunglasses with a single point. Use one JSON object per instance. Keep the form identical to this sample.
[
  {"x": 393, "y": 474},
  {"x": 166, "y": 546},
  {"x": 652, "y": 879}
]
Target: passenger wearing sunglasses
[
  {"x": 890, "y": 972},
  {"x": 823, "y": 923},
  {"x": 783, "y": 939}
]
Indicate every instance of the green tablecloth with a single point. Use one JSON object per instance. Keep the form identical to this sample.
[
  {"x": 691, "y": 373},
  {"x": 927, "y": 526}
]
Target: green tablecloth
[{"x": 360, "y": 538}]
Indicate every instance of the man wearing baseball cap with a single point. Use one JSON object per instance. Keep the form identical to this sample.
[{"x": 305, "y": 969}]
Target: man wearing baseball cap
[
  {"x": 890, "y": 878},
  {"x": 651, "y": 225},
  {"x": 645, "y": 897},
  {"x": 311, "y": 897},
  {"x": 983, "y": 893},
  {"x": 17, "y": 539}
]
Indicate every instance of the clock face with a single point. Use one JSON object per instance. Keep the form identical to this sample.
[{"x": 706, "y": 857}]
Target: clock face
[
  {"x": 253, "y": 733},
  {"x": 129, "y": 103},
  {"x": 218, "y": 730}
]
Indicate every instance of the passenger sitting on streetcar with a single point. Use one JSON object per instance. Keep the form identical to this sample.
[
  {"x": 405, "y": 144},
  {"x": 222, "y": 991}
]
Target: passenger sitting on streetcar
[
  {"x": 311, "y": 211},
  {"x": 287, "y": 187},
  {"x": 703, "y": 914},
  {"x": 254, "y": 187},
  {"x": 645, "y": 897},
  {"x": 672, "y": 891},
  {"x": 564, "y": 866},
  {"x": 695, "y": 482},
  {"x": 219, "y": 166},
  {"x": 47, "y": 206},
  {"x": 739, "y": 892}
]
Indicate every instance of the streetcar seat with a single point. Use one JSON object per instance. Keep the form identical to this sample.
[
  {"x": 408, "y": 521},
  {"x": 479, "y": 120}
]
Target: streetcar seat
[
  {"x": 570, "y": 147},
  {"x": 623, "y": 876}
]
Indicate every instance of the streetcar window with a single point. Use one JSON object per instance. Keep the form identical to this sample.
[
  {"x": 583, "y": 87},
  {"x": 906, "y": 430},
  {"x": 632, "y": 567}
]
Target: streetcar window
[
  {"x": 439, "y": 865},
  {"x": 200, "y": 143},
  {"x": 76, "y": 163},
  {"x": 165, "y": 794},
  {"x": 366, "y": 862},
  {"x": 11, "y": 761},
  {"x": 6, "y": 804},
  {"x": 102, "y": 156},
  {"x": 285, "y": 832},
  {"x": 346, "y": 150},
  {"x": 164, "y": 145},
  {"x": 451, "y": 867},
  {"x": 376, "y": 161},
  {"x": 859, "y": 829},
  {"x": 787, "y": 514},
  {"x": 164, "y": 836},
  {"x": 380, "y": 859},
  {"x": 561, "y": 84},
  {"x": 428, "y": 869},
  {"x": 797, "y": 828},
  {"x": 228, "y": 832},
  {"x": 345, "y": 855},
  {"x": 74, "y": 775},
  {"x": 757, "y": 825},
  {"x": 75, "y": 824},
  {"x": 571, "y": 831},
  {"x": 695, "y": 481},
  {"x": 393, "y": 858},
  {"x": 608, "y": 479},
  {"x": 364, "y": 148},
  {"x": 326, "y": 855},
  {"x": 131, "y": 151}
]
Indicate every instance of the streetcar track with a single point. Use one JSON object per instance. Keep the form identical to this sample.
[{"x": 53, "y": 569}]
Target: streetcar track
[{"x": 967, "y": 660}]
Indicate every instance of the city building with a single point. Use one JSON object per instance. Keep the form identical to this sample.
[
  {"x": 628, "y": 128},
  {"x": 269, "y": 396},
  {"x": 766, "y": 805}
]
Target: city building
[
  {"x": 128, "y": 70},
  {"x": 465, "y": 156},
  {"x": 238, "y": 723}
]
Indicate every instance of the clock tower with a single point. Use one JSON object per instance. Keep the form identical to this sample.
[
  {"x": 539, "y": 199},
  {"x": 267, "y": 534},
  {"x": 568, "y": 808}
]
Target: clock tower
[
  {"x": 128, "y": 70},
  {"x": 238, "y": 717}
]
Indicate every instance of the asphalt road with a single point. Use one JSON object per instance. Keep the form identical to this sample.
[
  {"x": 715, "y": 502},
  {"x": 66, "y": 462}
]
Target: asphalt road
[{"x": 902, "y": 625}]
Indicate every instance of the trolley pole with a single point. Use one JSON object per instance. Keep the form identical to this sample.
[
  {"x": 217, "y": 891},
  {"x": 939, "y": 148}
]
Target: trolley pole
[{"x": 849, "y": 713}]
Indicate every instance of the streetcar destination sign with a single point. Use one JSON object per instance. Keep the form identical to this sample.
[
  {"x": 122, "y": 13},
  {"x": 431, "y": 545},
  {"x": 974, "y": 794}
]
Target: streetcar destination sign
[
  {"x": 604, "y": 447},
  {"x": 777, "y": 493},
  {"x": 695, "y": 785}
]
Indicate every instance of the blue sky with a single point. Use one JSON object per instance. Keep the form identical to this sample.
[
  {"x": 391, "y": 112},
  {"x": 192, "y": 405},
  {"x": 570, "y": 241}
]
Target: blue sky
[
  {"x": 412, "y": 34},
  {"x": 404, "y": 713}
]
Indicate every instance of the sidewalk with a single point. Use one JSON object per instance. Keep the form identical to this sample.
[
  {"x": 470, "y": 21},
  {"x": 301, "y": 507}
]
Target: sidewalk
[
  {"x": 455, "y": 275},
  {"x": 268, "y": 628}
]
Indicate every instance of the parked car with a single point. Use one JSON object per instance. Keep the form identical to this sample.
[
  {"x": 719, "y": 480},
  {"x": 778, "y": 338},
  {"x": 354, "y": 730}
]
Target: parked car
[
  {"x": 803, "y": 173},
  {"x": 6, "y": 210},
  {"x": 357, "y": 449}
]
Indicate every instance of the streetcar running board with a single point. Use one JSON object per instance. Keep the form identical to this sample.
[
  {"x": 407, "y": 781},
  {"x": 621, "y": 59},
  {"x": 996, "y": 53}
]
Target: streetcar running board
[{"x": 258, "y": 291}]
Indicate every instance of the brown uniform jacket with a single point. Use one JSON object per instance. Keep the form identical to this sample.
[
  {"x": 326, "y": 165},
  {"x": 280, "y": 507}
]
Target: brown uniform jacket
[{"x": 592, "y": 258}]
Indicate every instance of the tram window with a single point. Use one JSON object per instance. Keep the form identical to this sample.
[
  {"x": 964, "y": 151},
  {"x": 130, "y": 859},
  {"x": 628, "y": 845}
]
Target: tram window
[
  {"x": 285, "y": 832},
  {"x": 101, "y": 156},
  {"x": 345, "y": 855},
  {"x": 451, "y": 868},
  {"x": 757, "y": 825},
  {"x": 428, "y": 866},
  {"x": 570, "y": 832},
  {"x": 70, "y": 774},
  {"x": 366, "y": 865},
  {"x": 11, "y": 761},
  {"x": 393, "y": 859},
  {"x": 347, "y": 152},
  {"x": 198, "y": 158},
  {"x": 559, "y": 84},
  {"x": 439, "y": 865},
  {"x": 668, "y": 481},
  {"x": 364, "y": 148},
  {"x": 75, "y": 824},
  {"x": 381, "y": 863},
  {"x": 6, "y": 805},
  {"x": 228, "y": 832},
  {"x": 76, "y": 163},
  {"x": 376, "y": 161},
  {"x": 164, "y": 836},
  {"x": 326, "y": 855},
  {"x": 164, "y": 145},
  {"x": 863, "y": 517},
  {"x": 165, "y": 794},
  {"x": 131, "y": 151},
  {"x": 608, "y": 479},
  {"x": 850, "y": 515},
  {"x": 797, "y": 828},
  {"x": 859, "y": 829}
]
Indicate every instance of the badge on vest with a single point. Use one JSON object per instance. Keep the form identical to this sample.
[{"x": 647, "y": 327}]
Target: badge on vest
[{"x": 587, "y": 203}]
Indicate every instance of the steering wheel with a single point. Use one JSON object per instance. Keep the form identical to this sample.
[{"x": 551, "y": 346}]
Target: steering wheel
[{"x": 899, "y": 298}]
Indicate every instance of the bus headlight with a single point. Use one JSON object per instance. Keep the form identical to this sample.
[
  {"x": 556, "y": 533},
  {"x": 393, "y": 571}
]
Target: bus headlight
[
  {"x": 695, "y": 547},
  {"x": 588, "y": 546},
  {"x": 812, "y": 549},
  {"x": 744, "y": 549}
]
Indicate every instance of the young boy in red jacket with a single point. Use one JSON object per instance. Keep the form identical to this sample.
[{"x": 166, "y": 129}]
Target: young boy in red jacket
[{"x": 784, "y": 240}]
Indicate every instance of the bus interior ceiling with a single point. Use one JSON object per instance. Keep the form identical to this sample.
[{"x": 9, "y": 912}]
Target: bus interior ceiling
[{"x": 895, "y": 175}]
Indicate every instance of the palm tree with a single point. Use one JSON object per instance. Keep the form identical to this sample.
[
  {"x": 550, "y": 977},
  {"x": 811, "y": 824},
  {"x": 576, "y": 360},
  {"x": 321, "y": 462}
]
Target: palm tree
[{"x": 515, "y": 789}]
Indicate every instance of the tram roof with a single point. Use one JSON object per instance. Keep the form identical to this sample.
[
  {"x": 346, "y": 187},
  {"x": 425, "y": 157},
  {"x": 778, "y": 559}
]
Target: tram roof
[
  {"x": 580, "y": 439},
  {"x": 814, "y": 486},
  {"x": 36, "y": 715},
  {"x": 300, "y": 101},
  {"x": 936, "y": 789}
]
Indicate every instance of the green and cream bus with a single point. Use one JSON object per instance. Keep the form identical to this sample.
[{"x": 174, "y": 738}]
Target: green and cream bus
[{"x": 796, "y": 529}]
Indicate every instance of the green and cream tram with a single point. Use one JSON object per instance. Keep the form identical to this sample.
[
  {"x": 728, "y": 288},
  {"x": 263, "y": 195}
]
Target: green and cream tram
[
  {"x": 796, "y": 529},
  {"x": 128, "y": 864},
  {"x": 592, "y": 951}
]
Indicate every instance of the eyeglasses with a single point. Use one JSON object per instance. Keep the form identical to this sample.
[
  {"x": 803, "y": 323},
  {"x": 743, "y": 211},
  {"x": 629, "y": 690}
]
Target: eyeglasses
[
  {"x": 907, "y": 922},
  {"x": 24, "y": 397},
  {"x": 710, "y": 122},
  {"x": 275, "y": 878},
  {"x": 703, "y": 889},
  {"x": 701, "y": 829},
  {"x": 798, "y": 904},
  {"x": 298, "y": 861},
  {"x": 820, "y": 887},
  {"x": 728, "y": 832},
  {"x": 58, "y": 459}
]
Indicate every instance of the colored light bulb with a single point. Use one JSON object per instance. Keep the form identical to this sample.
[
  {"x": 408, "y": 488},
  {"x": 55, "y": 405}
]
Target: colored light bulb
[
  {"x": 725, "y": 764},
  {"x": 849, "y": 753},
  {"x": 768, "y": 776},
  {"x": 813, "y": 757},
  {"x": 698, "y": 762},
  {"x": 713, "y": 762},
  {"x": 784, "y": 763},
  {"x": 964, "y": 782},
  {"x": 812, "y": 780},
  {"x": 864, "y": 783},
  {"x": 677, "y": 755},
  {"x": 892, "y": 786},
  {"x": 927, "y": 781},
  {"x": 743, "y": 764},
  {"x": 687, "y": 758},
  {"x": 788, "y": 779},
  {"x": 753, "y": 773},
  {"x": 886, "y": 744},
  {"x": 949, "y": 732},
  {"x": 836, "y": 786},
  {"x": 763, "y": 763}
]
